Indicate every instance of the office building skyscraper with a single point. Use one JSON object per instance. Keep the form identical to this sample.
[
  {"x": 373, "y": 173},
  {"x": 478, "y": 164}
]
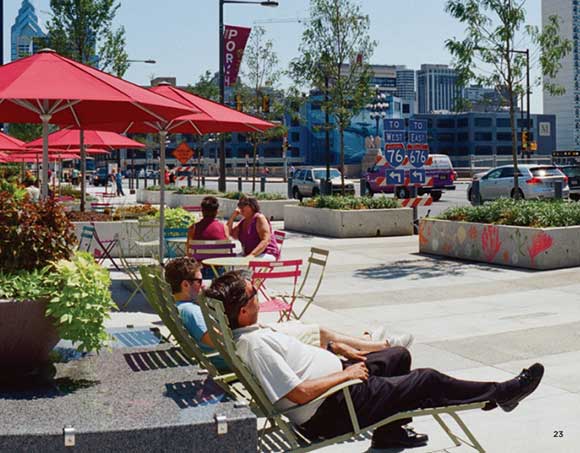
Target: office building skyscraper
[
  {"x": 566, "y": 107},
  {"x": 437, "y": 88},
  {"x": 26, "y": 35}
]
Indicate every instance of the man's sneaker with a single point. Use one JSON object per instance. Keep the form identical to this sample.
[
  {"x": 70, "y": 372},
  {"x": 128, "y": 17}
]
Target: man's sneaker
[
  {"x": 525, "y": 383},
  {"x": 405, "y": 340},
  {"x": 404, "y": 437}
]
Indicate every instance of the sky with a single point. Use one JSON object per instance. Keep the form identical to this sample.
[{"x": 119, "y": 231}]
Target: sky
[{"x": 182, "y": 35}]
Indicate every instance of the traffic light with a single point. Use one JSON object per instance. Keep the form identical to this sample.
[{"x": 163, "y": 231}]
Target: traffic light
[
  {"x": 266, "y": 104},
  {"x": 239, "y": 103},
  {"x": 533, "y": 146},
  {"x": 524, "y": 139}
]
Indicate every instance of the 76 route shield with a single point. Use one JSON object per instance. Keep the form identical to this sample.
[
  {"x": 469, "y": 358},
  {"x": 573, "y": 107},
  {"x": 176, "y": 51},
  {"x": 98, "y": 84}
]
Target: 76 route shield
[{"x": 395, "y": 154}]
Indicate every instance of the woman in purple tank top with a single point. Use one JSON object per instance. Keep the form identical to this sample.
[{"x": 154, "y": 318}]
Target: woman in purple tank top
[{"x": 254, "y": 231}]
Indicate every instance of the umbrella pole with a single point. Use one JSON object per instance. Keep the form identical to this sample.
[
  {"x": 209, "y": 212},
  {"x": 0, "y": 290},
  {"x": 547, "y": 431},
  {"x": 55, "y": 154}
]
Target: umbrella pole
[
  {"x": 162, "y": 137},
  {"x": 45, "y": 118},
  {"x": 83, "y": 169}
]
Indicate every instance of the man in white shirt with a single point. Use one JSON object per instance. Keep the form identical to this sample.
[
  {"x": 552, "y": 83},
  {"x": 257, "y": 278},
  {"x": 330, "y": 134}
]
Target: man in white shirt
[{"x": 293, "y": 373}]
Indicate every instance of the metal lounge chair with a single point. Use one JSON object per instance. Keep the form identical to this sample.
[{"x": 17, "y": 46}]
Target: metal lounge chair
[
  {"x": 279, "y": 427},
  {"x": 161, "y": 299}
]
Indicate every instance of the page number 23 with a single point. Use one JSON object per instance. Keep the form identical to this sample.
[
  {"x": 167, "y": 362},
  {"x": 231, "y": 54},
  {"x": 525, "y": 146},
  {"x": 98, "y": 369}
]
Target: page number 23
[{"x": 558, "y": 433}]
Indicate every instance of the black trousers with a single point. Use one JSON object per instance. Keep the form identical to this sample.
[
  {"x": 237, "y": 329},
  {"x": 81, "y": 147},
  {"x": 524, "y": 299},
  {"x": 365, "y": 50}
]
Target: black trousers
[{"x": 391, "y": 388}]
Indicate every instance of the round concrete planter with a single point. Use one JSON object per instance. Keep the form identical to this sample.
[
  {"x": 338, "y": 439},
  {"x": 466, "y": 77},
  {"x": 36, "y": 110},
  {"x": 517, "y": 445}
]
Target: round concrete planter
[
  {"x": 349, "y": 223},
  {"x": 26, "y": 336},
  {"x": 272, "y": 209},
  {"x": 514, "y": 246}
]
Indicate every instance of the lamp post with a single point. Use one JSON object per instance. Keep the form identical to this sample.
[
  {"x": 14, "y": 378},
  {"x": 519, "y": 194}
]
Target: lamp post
[
  {"x": 378, "y": 108},
  {"x": 142, "y": 61},
  {"x": 222, "y": 152}
]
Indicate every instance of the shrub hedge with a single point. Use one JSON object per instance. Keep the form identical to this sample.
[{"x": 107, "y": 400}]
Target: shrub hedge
[{"x": 351, "y": 203}]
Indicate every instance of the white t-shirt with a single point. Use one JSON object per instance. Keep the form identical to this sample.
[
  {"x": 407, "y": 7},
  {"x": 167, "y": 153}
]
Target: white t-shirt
[{"x": 281, "y": 363}]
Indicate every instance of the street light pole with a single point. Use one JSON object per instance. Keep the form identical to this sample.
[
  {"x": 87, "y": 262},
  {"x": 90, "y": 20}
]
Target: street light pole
[{"x": 222, "y": 148}]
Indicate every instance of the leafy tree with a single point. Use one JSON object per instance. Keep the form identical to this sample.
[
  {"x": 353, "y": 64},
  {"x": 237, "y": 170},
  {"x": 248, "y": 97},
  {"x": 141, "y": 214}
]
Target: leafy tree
[
  {"x": 206, "y": 87},
  {"x": 334, "y": 51},
  {"x": 258, "y": 97},
  {"x": 24, "y": 131},
  {"x": 83, "y": 30},
  {"x": 487, "y": 54}
]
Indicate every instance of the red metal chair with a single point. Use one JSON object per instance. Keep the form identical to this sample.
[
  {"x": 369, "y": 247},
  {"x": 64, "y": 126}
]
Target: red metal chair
[
  {"x": 263, "y": 271},
  {"x": 104, "y": 249},
  {"x": 192, "y": 208},
  {"x": 280, "y": 237}
]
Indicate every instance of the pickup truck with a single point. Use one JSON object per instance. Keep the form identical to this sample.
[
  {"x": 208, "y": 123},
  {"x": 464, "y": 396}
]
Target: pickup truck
[{"x": 440, "y": 169}]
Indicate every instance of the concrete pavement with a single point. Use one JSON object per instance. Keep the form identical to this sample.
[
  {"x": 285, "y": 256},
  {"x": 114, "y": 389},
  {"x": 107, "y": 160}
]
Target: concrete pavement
[{"x": 470, "y": 320}]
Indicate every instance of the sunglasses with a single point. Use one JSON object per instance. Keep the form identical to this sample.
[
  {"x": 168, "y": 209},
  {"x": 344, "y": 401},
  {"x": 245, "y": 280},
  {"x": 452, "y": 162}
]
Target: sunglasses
[{"x": 250, "y": 296}]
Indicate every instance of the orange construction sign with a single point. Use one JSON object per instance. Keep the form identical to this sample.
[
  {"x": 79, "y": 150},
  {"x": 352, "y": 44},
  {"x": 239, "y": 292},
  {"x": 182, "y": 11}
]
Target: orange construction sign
[{"x": 183, "y": 153}]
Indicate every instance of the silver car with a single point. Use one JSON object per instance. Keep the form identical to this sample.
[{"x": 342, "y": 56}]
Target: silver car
[
  {"x": 306, "y": 183},
  {"x": 534, "y": 181}
]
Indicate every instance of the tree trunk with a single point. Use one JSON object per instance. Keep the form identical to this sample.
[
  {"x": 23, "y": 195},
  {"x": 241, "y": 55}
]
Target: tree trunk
[
  {"x": 514, "y": 137},
  {"x": 342, "y": 160},
  {"x": 254, "y": 167}
]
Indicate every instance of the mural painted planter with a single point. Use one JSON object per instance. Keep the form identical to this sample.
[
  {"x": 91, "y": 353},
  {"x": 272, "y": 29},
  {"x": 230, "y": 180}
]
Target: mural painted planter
[
  {"x": 272, "y": 209},
  {"x": 349, "y": 224},
  {"x": 514, "y": 246}
]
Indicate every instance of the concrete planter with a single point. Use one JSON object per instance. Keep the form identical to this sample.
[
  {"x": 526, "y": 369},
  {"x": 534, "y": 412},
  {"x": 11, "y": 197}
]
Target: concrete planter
[
  {"x": 152, "y": 196},
  {"x": 175, "y": 199},
  {"x": 272, "y": 209},
  {"x": 514, "y": 246},
  {"x": 127, "y": 230},
  {"x": 349, "y": 224}
]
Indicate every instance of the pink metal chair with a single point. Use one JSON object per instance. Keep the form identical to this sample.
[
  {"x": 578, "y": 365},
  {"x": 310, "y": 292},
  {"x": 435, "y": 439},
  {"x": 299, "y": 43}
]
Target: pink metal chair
[
  {"x": 280, "y": 237},
  {"x": 263, "y": 271},
  {"x": 192, "y": 208}
]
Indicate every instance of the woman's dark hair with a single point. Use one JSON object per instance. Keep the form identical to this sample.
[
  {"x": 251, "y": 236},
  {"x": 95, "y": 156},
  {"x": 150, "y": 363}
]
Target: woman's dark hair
[
  {"x": 180, "y": 269},
  {"x": 209, "y": 206},
  {"x": 230, "y": 289},
  {"x": 249, "y": 201}
]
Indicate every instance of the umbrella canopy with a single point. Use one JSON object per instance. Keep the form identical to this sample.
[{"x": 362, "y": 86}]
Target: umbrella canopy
[
  {"x": 71, "y": 138},
  {"x": 33, "y": 157},
  {"x": 49, "y": 88},
  {"x": 3, "y": 158},
  {"x": 8, "y": 143},
  {"x": 56, "y": 151}
]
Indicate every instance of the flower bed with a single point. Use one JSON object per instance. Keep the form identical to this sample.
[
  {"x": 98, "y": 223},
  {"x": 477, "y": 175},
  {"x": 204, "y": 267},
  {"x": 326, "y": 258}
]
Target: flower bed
[
  {"x": 189, "y": 196},
  {"x": 528, "y": 234},
  {"x": 350, "y": 217}
]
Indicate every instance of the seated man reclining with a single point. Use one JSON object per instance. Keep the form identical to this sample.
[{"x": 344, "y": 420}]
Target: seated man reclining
[
  {"x": 293, "y": 373},
  {"x": 185, "y": 277}
]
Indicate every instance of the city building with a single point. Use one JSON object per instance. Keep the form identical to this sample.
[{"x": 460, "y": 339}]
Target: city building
[
  {"x": 406, "y": 87},
  {"x": 384, "y": 77},
  {"x": 26, "y": 35},
  {"x": 483, "y": 99},
  {"x": 463, "y": 135},
  {"x": 566, "y": 107},
  {"x": 437, "y": 88}
]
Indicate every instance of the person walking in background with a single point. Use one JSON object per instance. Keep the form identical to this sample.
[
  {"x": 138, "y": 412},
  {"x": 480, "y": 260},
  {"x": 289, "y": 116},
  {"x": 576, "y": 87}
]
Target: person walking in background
[{"x": 118, "y": 179}]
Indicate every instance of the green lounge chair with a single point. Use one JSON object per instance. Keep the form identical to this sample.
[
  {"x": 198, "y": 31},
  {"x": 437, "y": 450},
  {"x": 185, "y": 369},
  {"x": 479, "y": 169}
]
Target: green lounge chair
[{"x": 279, "y": 426}]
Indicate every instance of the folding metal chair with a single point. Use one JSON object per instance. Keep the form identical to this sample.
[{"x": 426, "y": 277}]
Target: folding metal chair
[
  {"x": 280, "y": 237},
  {"x": 263, "y": 271},
  {"x": 86, "y": 240},
  {"x": 105, "y": 247},
  {"x": 203, "y": 250},
  {"x": 100, "y": 207},
  {"x": 192, "y": 208},
  {"x": 171, "y": 248}
]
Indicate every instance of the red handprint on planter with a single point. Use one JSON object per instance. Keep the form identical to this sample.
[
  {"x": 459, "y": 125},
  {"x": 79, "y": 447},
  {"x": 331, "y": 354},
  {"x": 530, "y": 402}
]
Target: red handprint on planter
[
  {"x": 424, "y": 232},
  {"x": 540, "y": 243},
  {"x": 490, "y": 241}
]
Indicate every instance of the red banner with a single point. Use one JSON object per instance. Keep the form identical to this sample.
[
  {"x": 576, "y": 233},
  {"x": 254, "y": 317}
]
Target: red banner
[{"x": 235, "y": 39}]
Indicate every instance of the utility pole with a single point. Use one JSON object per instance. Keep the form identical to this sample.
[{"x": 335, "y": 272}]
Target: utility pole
[
  {"x": 327, "y": 135},
  {"x": 528, "y": 90}
]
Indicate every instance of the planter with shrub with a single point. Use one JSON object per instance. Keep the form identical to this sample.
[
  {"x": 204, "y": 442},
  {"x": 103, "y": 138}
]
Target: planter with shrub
[
  {"x": 343, "y": 217},
  {"x": 47, "y": 291},
  {"x": 526, "y": 234},
  {"x": 271, "y": 204},
  {"x": 151, "y": 194},
  {"x": 189, "y": 196}
]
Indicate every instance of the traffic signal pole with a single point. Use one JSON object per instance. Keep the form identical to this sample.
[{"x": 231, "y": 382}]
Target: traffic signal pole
[{"x": 528, "y": 100}]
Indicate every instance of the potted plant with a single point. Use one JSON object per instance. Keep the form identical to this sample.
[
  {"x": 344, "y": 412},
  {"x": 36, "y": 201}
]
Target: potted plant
[{"x": 47, "y": 290}]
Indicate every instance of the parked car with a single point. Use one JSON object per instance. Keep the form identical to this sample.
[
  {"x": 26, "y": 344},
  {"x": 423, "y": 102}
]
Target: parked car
[
  {"x": 440, "y": 170},
  {"x": 101, "y": 177},
  {"x": 306, "y": 183},
  {"x": 573, "y": 174},
  {"x": 534, "y": 181}
]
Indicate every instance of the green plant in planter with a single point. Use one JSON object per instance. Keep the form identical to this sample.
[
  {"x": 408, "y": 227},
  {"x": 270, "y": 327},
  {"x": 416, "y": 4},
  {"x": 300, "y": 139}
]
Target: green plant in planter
[
  {"x": 168, "y": 188},
  {"x": 196, "y": 191},
  {"x": 174, "y": 218},
  {"x": 257, "y": 196},
  {"x": 351, "y": 203},
  {"x": 80, "y": 301},
  {"x": 24, "y": 285}
]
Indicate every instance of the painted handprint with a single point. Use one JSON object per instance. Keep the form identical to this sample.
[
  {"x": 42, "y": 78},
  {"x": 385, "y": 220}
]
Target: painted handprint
[
  {"x": 540, "y": 243},
  {"x": 490, "y": 241}
]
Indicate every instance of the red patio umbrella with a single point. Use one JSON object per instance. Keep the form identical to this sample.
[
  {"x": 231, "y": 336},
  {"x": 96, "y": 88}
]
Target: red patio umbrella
[
  {"x": 51, "y": 89},
  {"x": 3, "y": 158},
  {"x": 33, "y": 157},
  {"x": 71, "y": 138},
  {"x": 8, "y": 143},
  {"x": 212, "y": 118}
]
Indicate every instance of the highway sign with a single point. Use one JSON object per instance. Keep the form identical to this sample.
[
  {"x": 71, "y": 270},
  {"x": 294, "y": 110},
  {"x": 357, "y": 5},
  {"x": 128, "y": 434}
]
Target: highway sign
[
  {"x": 417, "y": 125},
  {"x": 417, "y": 137},
  {"x": 394, "y": 137},
  {"x": 395, "y": 154},
  {"x": 395, "y": 177},
  {"x": 417, "y": 157},
  {"x": 394, "y": 125},
  {"x": 417, "y": 176}
]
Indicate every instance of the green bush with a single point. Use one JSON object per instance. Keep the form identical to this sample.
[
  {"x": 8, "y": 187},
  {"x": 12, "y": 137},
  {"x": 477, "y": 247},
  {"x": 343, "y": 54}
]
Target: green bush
[
  {"x": 174, "y": 218},
  {"x": 168, "y": 188},
  {"x": 351, "y": 203},
  {"x": 539, "y": 214},
  {"x": 257, "y": 196},
  {"x": 33, "y": 234},
  {"x": 196, "y": 191}
]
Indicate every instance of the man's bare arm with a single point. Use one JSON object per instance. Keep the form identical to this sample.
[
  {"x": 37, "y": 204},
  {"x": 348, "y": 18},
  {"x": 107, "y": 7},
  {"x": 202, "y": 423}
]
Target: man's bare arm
[{"x": 313, "y": 388}]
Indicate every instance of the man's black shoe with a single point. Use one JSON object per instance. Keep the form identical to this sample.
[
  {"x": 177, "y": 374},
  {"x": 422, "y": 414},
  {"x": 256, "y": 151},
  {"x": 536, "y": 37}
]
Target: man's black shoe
[
  {"x": 404, "y": 437},
  {"x": 528, "y": 381}
]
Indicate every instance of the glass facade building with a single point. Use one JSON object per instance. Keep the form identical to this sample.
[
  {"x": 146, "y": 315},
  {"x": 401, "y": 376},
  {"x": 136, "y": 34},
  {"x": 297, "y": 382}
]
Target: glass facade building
[
  {"x": 26, "y": 35},
  {"x": 436, "y": 88}
]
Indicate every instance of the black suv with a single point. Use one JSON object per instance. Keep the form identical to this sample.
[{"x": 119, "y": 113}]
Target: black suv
[
  {"x": 101, "y": 177},
  {"x": 573, "y": 174}
]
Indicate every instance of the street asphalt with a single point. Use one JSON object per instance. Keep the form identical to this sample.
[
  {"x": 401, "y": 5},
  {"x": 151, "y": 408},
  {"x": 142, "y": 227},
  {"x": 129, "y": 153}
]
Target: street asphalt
[{"x": 470, "y": 320}]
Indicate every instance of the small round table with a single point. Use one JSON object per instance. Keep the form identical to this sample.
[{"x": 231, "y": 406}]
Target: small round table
[{"x": 230, "y": 262}]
